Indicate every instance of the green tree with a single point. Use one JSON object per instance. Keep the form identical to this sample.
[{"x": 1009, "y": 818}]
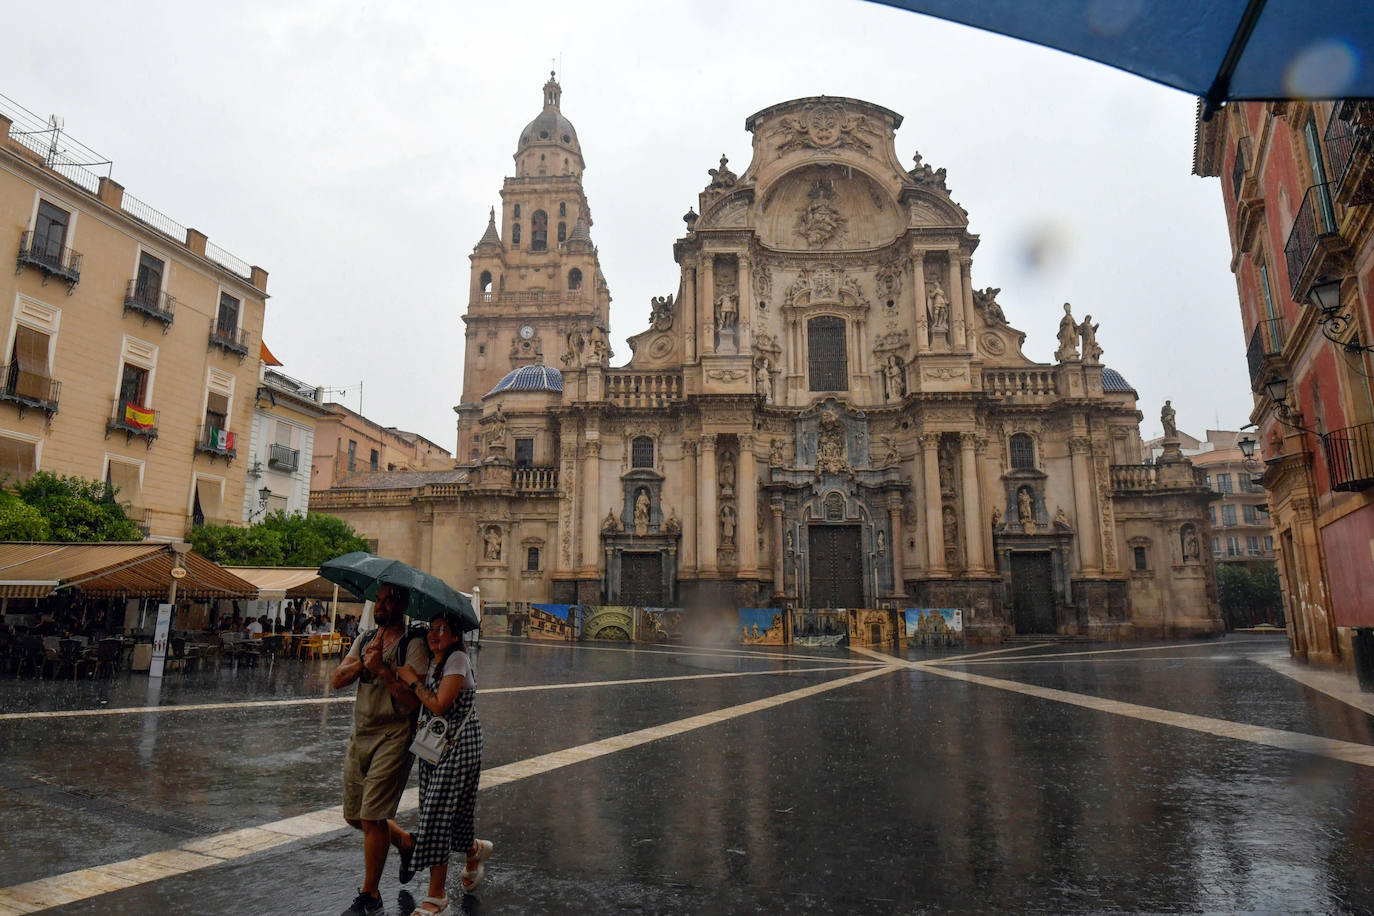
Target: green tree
[
  {"x": 1249, "y": 595},
  {"x": 19, "y": 521},
  {"x": 278, "y": 540},
  {"x": 73, "y": 509}
]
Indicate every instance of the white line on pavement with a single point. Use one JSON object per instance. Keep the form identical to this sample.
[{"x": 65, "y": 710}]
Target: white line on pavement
[{"x": 86, "y": 883}]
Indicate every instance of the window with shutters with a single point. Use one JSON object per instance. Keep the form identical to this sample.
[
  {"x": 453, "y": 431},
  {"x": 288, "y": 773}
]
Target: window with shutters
[
  {"x": 18, "y": 458},
  {"x": 642, "y": 452},
  {"x": 826, "y": 351},
  {"x": 1022, "y": 451},
  {"x": 28, "y": 378},
  {"x": 148, "y": 284}
]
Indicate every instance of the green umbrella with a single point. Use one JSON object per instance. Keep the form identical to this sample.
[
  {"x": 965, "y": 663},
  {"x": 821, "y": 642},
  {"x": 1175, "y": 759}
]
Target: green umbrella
[{"x": 361, "y": 573}]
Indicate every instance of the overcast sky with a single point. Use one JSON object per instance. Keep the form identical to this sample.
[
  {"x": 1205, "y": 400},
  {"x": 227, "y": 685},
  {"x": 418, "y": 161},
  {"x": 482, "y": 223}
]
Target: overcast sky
[{"x": 353, "y": 151}]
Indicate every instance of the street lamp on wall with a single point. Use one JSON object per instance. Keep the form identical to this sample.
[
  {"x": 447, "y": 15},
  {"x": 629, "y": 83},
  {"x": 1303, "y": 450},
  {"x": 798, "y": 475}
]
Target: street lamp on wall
[
  {"x": 1252, "y": 467},
  {"x": 1277, "y": 391},
  {"x": 264, "y": 495},
  {"x": 1325, "y": 296}
]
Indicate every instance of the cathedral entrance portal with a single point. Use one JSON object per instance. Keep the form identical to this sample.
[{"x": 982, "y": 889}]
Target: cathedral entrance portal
[
  {"x": 641, "y": 579},
  {"x": 1032, "y": 589},
  {"x": 837, "y": 569}
]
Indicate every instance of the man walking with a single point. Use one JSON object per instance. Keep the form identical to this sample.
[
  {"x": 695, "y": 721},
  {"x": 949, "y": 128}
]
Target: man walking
[{"x": 378, "y": 760}]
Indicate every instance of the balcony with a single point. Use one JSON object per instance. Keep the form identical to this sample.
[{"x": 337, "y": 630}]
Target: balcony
[
  {"x": 1350, "y": 457},
  {"x": 29, "y": 389},
  {"x": 1314, "y": 246},
  {"x": 230, "y": 340},
  {"x": 1029, "y": 383},
  {"x": 150, "y": 303},
  {"x": 535, "y": 480},
  {"x": 283, "y": 458},
  {"x": 217, "y": 443},
  {"x": 1349, "y": 143},
  {"x": 132, "y": 419},
  {"x": 1144, "y": 478},
  {"x": 1266, "y": 343},
  {"x": 48, "y": 255},
  {"x": 643, "y": 389}
]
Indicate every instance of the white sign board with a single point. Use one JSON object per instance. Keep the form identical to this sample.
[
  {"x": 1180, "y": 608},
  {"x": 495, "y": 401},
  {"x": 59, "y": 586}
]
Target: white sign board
[{"x": 164, "y": 626}]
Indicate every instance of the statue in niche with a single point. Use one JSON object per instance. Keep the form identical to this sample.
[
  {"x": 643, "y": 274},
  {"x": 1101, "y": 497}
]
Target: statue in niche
[
  {"x": 727, "y": 525},
  {"x": 1166, "y": 416},
  {"x": 937, "y": 307},
  {"x": 1025, "y": 506},
  {"x": 642, "y": 513},
  {"x": 819, "y": 222},
  {"x": 763, "y": 380},
  {"x": 951, "y": 526},
  {"x": 775, "y": 458},
  {"x": 787, "y": 543},
  {"x": 946, "y": 463},
  {"x": 894, "y": 376},
  {"x": 725, "y": 474},
  {"x": 1068, "y": 336},
  {"x": 882, "y": 544},
  {"x": 1092, "y": 353},
  {"x": 721, "y": 178},
  {"x": 1192, "y": 549},
  {"x": 661, "y": 312},
  {"x": 491, "y": 541},
  {"x": 727, "y": 310}
]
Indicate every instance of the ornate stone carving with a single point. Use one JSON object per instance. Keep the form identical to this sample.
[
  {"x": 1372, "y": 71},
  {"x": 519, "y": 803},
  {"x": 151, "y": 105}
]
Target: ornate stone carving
[
  {"x": 1068, "y": 336},
  {"x": 775, "y": 458},
  {"x": 894, "y": 378},
  {"x": 889, "y": 280},
  {"x": 924, "y": 176},
  {"x": 937, "y": 307},
  {"x": 824, "y": 125},
  {"x": 721, "y": 178},
  {"x": 1025, "y": 507},
  {"x": 890, "y": 456},
  {"x": 763, "y": 281},
  {"x": 830, "y": 450},
  {"x": 726, "y": 375},
  {"x": 763, "y": 380},
  {"x": 728, "y": 519},
  {"x": 892, "y": 340},
  {"x": 1092, "y": 353},
  {"x": 661, "y": 312},
  {"x": 944, "y": 373},
  {"x": 610, "y": 523},
  {"x": 985, "y": 301},
  {"x": 491, "y": 543},
  {"x": 819, "y": 222},
  {"x": 993, "y": 344}
]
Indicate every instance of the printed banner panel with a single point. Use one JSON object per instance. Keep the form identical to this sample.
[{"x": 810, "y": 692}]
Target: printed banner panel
[
  {"x": 761, "y": 626},
  {"x": 875, "y": 627},
  {"x": 935, "y": 626},
  {"x": 820, "y": 627},
  {"x": 552, "y": 621},
  {"x": 658, "y": 624}
]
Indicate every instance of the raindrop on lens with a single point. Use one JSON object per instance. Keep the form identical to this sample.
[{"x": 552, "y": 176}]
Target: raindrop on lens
[{"x": 1322, "y": 70}]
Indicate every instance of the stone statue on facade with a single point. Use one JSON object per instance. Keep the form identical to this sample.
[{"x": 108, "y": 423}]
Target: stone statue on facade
[
  {"x": 727, "y": 310},
  {"x": 894, "y": 376},
  {"x": 1068, "y": 336},
  {"x": 881, "y": 544},
  {"x": 725, "y": 474},
  {"x": 1166, "y": 417},
  {"x": 721, "y": 178},
  {"x": 890, "y": 457},
  {"x": 727, "y": 524},
  {"x": 491, "y": 541},
  {"x": 496, "y": 433},
  {"x": 996, "y": 516},
  {"x": 672, "y": 525},
  {"x": 1092, "y": 353},
  {"x": 937, "y": 307},
  {"x": 763, "y": 380},
  {"x": 599, "y": 349},
  {"x": 1060, "y": 519},
  {"x": 1025, "y": 506},
  {"x": 576, "y": 345},
  {"x": 985, "y": 301},
  {"x": 775, "y": 458},
  {"x": 610, "y": 523},
  {"x": 642, "y": 513},
  {"x": 661, "y": 312},
  {"x": 1192, "y": 549}
]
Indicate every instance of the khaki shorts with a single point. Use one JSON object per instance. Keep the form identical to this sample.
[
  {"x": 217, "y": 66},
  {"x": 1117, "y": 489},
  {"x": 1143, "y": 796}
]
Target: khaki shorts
[{"x": 375, "y": 772}]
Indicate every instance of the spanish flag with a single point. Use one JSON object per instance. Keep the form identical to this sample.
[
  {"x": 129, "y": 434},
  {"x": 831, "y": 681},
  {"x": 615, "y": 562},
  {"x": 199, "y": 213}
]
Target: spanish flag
[{"x": 139, "y": 417}]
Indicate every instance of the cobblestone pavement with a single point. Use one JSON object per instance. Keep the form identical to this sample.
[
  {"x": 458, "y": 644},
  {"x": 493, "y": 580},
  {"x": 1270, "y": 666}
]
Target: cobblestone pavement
[{"x": 1184, "y": 777}]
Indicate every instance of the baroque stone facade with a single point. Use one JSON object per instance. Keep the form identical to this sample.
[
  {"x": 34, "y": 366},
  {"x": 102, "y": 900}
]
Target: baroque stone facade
[{"x": 823, "y": 412}]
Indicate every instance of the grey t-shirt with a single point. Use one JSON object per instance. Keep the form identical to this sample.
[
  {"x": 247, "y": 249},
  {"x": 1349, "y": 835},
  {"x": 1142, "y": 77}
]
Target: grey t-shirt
[{"x": 458, "y": 663}]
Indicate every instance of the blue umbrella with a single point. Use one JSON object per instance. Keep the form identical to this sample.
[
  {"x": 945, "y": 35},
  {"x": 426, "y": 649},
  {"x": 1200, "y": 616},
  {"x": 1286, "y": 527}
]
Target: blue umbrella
[
  {"x": 1218, "y": 49},
  {"x": 362, "y": 573}
]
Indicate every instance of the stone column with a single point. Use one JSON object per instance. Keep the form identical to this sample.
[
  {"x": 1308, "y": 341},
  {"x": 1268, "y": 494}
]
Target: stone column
[
  {"x": 689, "y": 309},
  {"x": 935, "y": 539},
  {"x": 746, "y": 488},
  {"x": 898, "y": 547},
  {"x": 706, "y": 305},
  {"x": 918, "y": 292},
  {"x": 969, "y": 444},
  {"x": 1085, "y": 518},
  {"x": 706, "y": 497},
  {"x": 744, "y": 289},
  {"x": 966, "y": 275},
  {"x": 779, "y": 555},
  {"x": 958, "y": 332},
  {"x": 591, "y": 502},
  {"x": 689, "y": 507}
]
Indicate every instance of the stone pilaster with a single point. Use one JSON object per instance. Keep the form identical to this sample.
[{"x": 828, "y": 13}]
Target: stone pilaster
[
  {"x": 1085, "y": 515},
  {"x": 689, "y": 311},
  {"x": 779, "y": 555},
  {"x": 958, "y": 331},
  {"x": 969, "y": 444},
  {"x": 591, "y": 502},
  {"x": 745, "y": 289},
  {"x": 918, "y": 290},
  {"x": 747, "y": 487},
  {"x": 706, "y": 312},
  {"x": 898, "y": 546},
  {"x": 966, "y": 276},
  {"x": 930, "y": 472},
  {"x": 689, "y": 507},
  {"x": 706, "y": 497}
]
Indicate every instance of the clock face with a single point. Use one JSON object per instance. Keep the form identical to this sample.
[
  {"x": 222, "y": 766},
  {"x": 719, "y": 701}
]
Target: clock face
[{"x": 527, "y": 332}]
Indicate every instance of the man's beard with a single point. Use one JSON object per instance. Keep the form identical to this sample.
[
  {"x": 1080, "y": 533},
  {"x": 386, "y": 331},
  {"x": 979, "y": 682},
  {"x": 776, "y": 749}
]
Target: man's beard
[{"x": 386, "y": 618}]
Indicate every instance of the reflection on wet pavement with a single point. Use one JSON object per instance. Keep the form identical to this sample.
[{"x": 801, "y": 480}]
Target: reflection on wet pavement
[{"x": 670, "y": 780}]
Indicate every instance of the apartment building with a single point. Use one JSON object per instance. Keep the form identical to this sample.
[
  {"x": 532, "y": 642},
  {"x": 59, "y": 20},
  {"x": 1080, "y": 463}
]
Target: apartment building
[
  {"x": 131, "y": 349},
  {"x": 285, "y": 411},
  {"x": 347, "y": 443}
]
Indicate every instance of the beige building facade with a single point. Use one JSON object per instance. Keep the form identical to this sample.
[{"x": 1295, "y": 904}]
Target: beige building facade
[
  {"x": 822, "y": 411},
  {"x": 131, "y": 348},
  {"x": 348, "y": 444},
  {"x": 285, "y": 411}
]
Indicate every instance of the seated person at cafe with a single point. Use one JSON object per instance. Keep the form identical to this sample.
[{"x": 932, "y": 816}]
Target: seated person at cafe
[{"x": 254, "y": 628}]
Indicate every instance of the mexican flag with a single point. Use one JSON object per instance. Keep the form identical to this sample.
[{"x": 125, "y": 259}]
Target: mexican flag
[
  {"x": 139, "y": 417},
  {"x": 223, "y": 440}
]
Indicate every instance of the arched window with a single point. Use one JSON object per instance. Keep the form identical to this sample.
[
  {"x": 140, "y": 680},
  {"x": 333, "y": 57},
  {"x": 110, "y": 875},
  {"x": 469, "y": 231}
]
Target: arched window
[
  {"x": 826, "y": 349},
  {"x": 539, "y": 231},
  {"x": 642, "y": 452},
  {"x": 515, "y": 234},
  {"x": 484, "y": 281},
  {"x": 562, "y": 232},
  {"x": 563, "y": 206},
  {"x": 574, "y": 279},
  {"x": 1022, "y": 451}
]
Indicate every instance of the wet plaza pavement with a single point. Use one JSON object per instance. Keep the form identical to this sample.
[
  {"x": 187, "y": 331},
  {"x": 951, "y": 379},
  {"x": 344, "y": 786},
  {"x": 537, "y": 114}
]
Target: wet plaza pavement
[{"x": 1189, "y": 777}]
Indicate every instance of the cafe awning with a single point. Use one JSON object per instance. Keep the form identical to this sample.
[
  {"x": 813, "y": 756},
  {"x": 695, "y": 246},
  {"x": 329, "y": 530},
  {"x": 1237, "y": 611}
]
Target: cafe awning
[
  {"x": 114, "y": 570},
  {"x": 276, "y": 583}
]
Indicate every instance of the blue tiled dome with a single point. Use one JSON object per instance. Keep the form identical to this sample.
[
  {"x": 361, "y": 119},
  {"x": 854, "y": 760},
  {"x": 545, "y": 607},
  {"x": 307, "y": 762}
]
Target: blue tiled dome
[
  {"x": 1112, "y": 381},
  {"x": 530, "y": 378}
]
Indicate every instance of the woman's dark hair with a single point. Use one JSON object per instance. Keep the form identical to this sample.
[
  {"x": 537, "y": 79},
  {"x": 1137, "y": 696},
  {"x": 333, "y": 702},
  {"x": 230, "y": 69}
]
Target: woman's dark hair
[{"x": 455, "y": 626}]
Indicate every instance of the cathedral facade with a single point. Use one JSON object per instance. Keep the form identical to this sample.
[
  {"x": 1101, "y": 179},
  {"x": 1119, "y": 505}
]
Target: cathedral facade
[{"x": 824, "y": 412}]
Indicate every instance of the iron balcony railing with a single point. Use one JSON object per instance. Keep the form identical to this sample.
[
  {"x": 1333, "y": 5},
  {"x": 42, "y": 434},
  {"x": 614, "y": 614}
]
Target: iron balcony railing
[
  {"x": 1345, "y": 136},
  {"x": 1316, "y": 219},
  {"x": 47, "y": 253},
  {"x": 216, "y": 442},
  {"x": 1350, "y": 457},
  {"x": 132, "y": 419},
  {"x": 29, "y": 389},
  {"x": 283, "y": 458},
  {"x": 1240, "y": 166},
  {"x": 1267, "y": 340},
  {"x": 232, "y": 340},
  {"x": 150, "y": 303}
]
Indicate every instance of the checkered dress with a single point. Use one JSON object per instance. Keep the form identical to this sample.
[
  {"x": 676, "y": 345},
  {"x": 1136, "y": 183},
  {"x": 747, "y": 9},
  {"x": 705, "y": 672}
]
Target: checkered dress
[{"x": 448, "y": 789}]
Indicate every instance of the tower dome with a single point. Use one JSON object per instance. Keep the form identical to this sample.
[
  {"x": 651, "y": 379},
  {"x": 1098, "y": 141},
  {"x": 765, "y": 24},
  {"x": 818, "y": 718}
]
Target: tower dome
[
  {"x": 530, "y": 378},
  {"x": 550, "y": 129}
]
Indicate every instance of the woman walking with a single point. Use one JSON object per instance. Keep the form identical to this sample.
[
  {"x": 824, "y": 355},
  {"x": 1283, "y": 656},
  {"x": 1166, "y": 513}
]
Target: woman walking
[{"x": 448, "y": 789}]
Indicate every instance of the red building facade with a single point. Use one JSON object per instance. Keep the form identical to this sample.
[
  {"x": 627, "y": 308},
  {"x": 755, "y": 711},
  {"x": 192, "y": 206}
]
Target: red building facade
[{"x": 1298, "y": 188}]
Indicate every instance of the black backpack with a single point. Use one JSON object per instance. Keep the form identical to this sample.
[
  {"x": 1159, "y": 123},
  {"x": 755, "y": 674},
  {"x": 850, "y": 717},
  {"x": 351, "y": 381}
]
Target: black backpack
[{"x": 414, "y": 631}]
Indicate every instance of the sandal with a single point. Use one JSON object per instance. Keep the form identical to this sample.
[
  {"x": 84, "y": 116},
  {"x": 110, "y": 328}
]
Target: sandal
[
  {"x": 445, "y": 909},
  {"x": 472, "y": 878}
]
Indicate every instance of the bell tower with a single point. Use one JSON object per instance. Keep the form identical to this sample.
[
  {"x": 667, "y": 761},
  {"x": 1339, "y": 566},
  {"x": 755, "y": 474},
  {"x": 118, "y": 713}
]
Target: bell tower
[{"x": 536, "y": 290}]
